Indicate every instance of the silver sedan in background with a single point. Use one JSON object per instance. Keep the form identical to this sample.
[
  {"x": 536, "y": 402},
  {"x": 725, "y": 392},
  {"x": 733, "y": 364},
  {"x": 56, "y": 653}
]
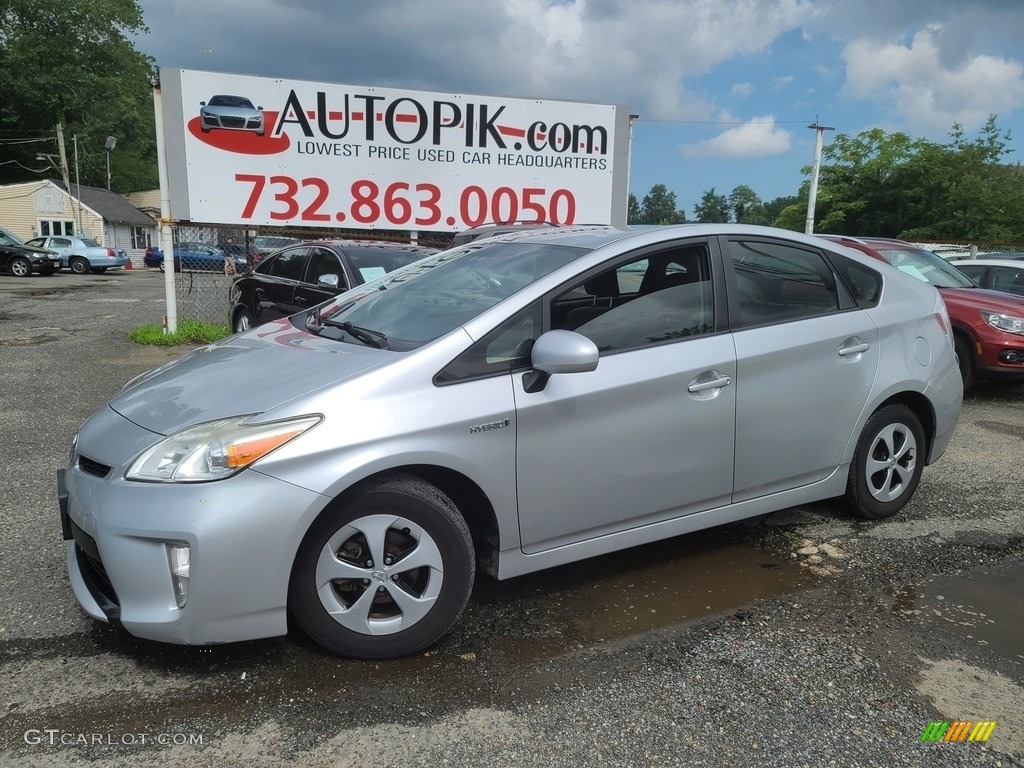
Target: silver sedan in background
[{"x": 517, "y": 403}]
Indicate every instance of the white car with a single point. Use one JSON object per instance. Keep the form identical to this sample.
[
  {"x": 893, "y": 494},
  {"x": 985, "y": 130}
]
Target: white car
[
  {"x": 998, "y": 274},
  {"x": 81, "y": 255}
]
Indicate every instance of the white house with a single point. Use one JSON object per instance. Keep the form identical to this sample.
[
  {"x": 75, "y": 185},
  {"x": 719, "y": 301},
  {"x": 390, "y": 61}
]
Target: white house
[{"x": 35, "y": 208}]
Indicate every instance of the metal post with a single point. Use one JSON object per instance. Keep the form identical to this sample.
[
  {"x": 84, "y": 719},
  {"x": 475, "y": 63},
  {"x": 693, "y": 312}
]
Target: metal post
[
  {"x": 108, "y": 145},
  {"x": 812, "y": 197},
  {"x": 78, "y": 189},
  {"x": 166, "y": 242}
]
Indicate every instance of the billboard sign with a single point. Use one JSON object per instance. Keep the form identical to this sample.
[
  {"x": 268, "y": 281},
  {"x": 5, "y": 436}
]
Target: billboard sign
[{"x": 261, "y": 151}]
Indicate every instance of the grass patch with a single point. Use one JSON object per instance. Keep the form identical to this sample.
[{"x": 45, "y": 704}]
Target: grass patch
[{"x": 189, "y": 332}]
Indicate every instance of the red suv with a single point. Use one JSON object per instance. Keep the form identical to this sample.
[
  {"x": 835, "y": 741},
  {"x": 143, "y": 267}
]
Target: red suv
[{"x": 988, "y": 326}]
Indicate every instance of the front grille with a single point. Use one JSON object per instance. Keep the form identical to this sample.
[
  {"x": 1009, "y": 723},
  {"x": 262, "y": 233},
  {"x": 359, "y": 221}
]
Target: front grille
[
  {"x": 232, "y": 122},
  {"x": 91, "y": 467}
]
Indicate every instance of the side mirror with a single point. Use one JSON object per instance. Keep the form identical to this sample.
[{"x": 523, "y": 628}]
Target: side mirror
[
  {"x": 328, "y": 281},
  {"x": 559, "y": 352},
  {"x": 202, "y": 103}
]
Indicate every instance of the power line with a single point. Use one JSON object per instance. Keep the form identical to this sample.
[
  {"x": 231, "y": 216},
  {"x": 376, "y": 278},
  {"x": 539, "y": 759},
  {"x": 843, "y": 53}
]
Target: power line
[{"x": 722, "y": 122}]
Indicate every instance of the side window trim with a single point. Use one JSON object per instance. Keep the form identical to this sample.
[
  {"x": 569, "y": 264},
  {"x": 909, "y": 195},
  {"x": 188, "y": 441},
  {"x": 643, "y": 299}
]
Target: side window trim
[
  {"x": 719, "y": 306},
  {"x": 844, "y": 297}
]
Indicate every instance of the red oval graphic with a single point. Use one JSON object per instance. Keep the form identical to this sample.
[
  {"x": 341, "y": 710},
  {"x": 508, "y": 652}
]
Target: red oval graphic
[{"x": 242, "y": 142}]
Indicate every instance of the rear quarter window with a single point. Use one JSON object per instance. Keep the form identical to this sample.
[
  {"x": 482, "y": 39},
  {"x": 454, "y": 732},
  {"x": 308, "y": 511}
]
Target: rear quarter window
[{"x": 864, "y": 283}]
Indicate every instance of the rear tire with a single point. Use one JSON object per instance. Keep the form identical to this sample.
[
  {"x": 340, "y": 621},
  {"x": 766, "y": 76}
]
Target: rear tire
[
  {"x": 79, "y": 265},
  {"x": 244, "y": 321},
  {"x": 887, "y": 464},
  {"x": 386, "y": 574},
  {"x": 965, "y": 360}
]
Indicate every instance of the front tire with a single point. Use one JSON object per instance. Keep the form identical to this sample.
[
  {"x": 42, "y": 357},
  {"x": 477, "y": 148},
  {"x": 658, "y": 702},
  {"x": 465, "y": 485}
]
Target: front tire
[
  {"x": 887, "y": 464},
  {"x": 79, "y": 265},
  {"x": 385, "y": 575},
  {"x": 21, "y": 267},
  {"x": 965, "y": 360}
]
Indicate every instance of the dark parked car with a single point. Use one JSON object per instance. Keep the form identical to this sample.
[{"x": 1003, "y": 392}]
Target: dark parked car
[
  {"x": 300, "y": 276},
  {"x": 997, "y": 274},
  {"x": 154, "y": 257},
  {"x": 194, "y": 257},
  {"x": 22, "y": 260},
  {"x": 988, "y": 326},
  {"x": 490, "y": 230},
  {"x": 264, "y": 245}
]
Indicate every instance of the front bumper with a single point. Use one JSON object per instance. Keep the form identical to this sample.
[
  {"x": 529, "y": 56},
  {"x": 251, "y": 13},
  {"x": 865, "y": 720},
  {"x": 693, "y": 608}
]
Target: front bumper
[{"x": 242, "y": 532}]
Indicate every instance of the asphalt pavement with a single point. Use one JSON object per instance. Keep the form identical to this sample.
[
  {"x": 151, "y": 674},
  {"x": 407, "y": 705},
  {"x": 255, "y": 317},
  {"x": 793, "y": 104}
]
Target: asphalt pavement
[{"x": 801, "y": 638}]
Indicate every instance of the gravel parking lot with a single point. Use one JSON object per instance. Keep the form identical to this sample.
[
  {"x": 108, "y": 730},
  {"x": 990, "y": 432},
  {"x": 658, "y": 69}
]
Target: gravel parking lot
[{"x": 802, "y": 638}]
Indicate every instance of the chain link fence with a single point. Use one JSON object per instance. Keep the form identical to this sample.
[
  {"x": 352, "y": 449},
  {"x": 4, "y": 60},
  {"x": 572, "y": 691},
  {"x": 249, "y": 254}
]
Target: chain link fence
[
  {"x": 967, "y": 250},
  {"x": 208, "y": 258}
]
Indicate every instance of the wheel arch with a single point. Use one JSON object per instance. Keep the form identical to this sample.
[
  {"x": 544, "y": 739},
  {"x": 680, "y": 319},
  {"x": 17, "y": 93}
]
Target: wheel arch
[
  {"x": 924, "y": 411},
  {"x": 470, "y": 500}
]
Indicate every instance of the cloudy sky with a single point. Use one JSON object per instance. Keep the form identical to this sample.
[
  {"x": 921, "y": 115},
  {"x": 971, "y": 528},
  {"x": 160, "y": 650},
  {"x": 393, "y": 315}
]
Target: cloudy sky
[{"x": 724, "y": 89}]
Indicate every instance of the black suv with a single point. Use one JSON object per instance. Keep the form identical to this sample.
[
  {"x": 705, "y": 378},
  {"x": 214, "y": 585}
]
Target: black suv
[
  {"x": 306, "y": 274},
  {"x": 22, "y": 260}
]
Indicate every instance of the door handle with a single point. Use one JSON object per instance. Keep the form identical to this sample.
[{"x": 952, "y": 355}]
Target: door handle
[
  {"x": 700, "y": 386},
  {"x": 853, "y": 346}
]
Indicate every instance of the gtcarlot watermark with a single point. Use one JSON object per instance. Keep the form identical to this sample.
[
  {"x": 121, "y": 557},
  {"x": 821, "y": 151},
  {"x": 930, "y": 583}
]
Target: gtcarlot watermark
[{"x": 57, "y": 737}]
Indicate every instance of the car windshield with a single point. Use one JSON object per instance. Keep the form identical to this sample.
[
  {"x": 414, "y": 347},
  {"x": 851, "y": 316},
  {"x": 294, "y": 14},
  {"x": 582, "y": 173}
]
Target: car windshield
[
  {"x": 230, "y": 101},
  {"x": 435, "y": 295},
  {"x": 7, "y": 239},
  {"x": 927, "y": 267}
]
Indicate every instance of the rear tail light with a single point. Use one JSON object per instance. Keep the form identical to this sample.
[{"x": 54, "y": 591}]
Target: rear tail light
[{"x": 110, "y": 252}]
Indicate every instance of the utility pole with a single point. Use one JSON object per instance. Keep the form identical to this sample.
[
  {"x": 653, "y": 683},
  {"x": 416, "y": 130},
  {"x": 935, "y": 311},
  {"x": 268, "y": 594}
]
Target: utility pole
[
  {"x": 812, "y": 198},
  {"x": 78, "y": 189},
  {"x": 63, "y": 158}
]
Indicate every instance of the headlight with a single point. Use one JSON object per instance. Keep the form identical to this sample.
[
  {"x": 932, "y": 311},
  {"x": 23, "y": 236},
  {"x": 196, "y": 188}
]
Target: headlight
[
  {"x": 215, "y": 450},
  {"x": 1008, "y": 323}
]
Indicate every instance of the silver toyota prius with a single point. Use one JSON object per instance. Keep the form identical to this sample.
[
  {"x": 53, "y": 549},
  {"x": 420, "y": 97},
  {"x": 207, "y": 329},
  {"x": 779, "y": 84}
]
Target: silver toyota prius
[{"x": 513, "y": 404}]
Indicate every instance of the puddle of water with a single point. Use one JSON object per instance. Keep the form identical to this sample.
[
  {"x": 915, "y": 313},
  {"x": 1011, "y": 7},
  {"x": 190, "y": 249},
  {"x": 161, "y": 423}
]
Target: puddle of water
[
  {"x": 984, "y": 604},
  {"x": 696, "y": 584},
  {"x": 635, "y": 592}
]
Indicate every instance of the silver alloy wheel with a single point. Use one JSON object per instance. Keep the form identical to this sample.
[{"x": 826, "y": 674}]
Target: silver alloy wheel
[
  {"x": 79, "y": 265},
  {"x": 243, "y": 323},
  {"x": 21, "y": 267},
  {"x": 891, "y": 462},
  {"x": 379, "y": 574}
]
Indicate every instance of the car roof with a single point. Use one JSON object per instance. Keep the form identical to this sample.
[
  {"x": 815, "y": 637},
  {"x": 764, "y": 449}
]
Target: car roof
[{"x": 1010, "y": 263}]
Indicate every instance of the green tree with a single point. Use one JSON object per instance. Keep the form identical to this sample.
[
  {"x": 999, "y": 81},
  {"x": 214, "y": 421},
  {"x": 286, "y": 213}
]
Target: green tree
[
  {"x": 634, "y": 215},
  {"x": 773, "y": 210},
  {"x": 659, "y": 207},
  {"x": 712, "y": 207},
  {"x": 71, "y": 62},
  {"x": 746, "y": 207}
]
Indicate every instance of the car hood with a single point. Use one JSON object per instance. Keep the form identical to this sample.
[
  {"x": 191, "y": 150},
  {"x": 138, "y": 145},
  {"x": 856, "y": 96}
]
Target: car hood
[
  {"x": 978, "y": 298},
  {"x": 241, "y": 375},
  {"x": 28, "y": 250},
  {"x": 232, "y": 111}
]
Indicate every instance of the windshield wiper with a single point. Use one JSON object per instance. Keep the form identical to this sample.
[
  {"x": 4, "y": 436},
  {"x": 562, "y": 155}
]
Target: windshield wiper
[{"x": 365, "y": 335}]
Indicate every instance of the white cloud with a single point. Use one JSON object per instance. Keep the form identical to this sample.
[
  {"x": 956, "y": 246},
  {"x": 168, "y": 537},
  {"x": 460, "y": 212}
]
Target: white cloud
[
  {"x": 741, "y": 90},
  {"x": 925, "y": 91},
  {"x": 759, "y": 137}
]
